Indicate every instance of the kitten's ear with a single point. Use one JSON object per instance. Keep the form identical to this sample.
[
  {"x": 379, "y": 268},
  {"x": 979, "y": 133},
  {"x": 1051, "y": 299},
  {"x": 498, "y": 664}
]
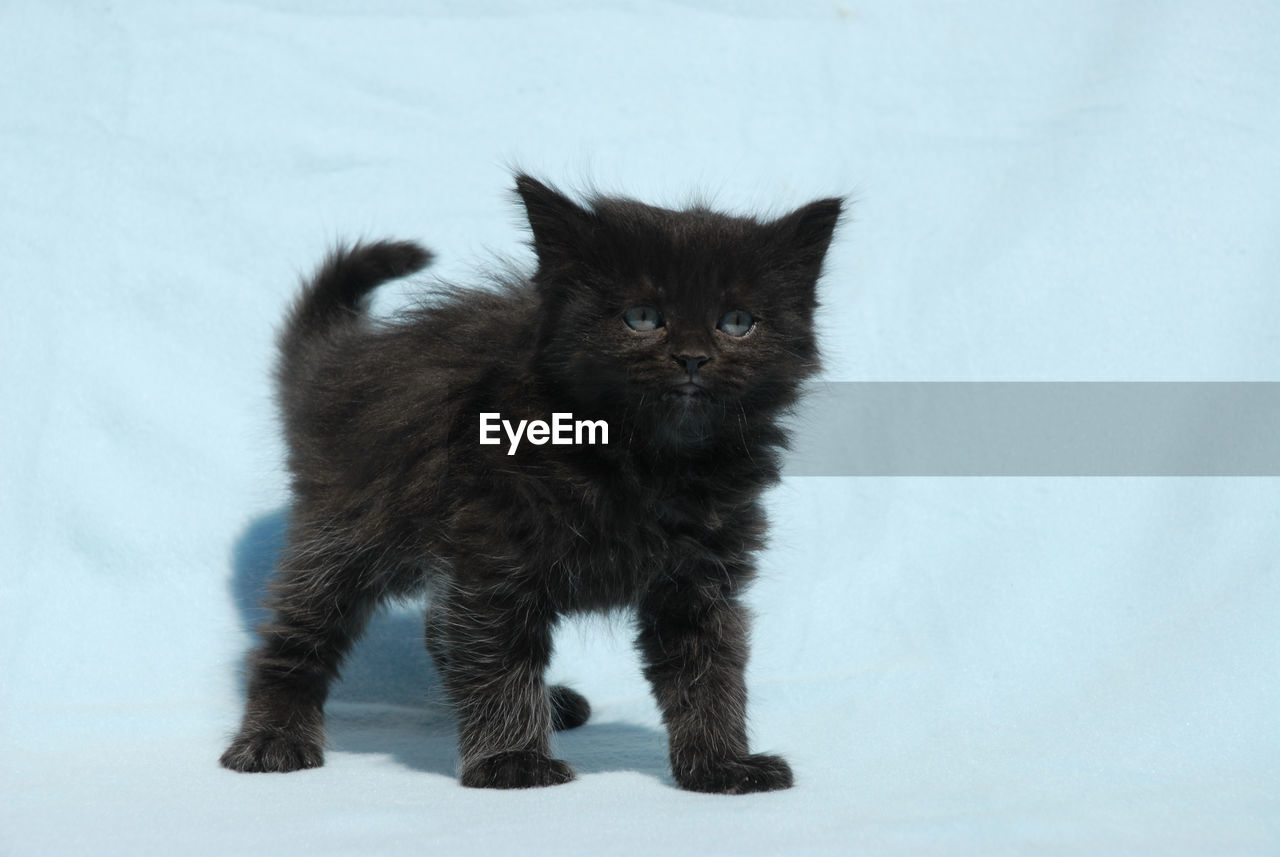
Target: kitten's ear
[
  {"x": 802, "y": 237},
  {"x": 559, "y": 224}
]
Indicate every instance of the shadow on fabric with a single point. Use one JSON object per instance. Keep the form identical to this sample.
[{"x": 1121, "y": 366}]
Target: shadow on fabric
[{"x": 390, "y": 700}]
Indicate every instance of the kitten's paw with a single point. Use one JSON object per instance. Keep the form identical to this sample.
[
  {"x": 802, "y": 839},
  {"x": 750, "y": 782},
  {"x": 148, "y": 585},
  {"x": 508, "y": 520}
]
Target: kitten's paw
[
  {"x": 516, "y": 769},
  {"x": 754, "y": 773},
  {"x": 272, "y": 751},
  {"x": 569, "y": 709}
]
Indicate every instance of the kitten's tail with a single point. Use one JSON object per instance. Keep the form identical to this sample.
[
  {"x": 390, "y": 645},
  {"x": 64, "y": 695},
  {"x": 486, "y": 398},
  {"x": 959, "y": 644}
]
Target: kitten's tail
[{"x": 338, "y": 289}]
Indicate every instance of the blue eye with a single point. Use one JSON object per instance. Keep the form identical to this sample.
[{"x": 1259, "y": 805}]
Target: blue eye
[
  {"x": 642, "y": 318},
  {"x": 736, "y": 322}
]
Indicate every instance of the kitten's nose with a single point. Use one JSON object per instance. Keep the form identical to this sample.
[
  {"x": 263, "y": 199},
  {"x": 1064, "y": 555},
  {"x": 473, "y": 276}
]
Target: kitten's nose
[{"x": 691, "y": 362}]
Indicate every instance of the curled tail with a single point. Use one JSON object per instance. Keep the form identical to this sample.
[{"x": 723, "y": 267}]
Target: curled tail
[{"x": 338, "y": 288}]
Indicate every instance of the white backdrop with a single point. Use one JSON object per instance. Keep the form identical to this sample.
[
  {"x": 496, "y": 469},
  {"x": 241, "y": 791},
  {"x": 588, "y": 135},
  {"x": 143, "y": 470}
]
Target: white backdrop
[{"x": 1044, "y": 191}]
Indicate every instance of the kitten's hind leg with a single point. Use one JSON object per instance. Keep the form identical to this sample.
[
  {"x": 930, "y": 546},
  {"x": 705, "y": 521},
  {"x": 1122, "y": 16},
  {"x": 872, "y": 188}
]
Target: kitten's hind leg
[
  {"x": 322, "y": 603},
  {"x": 569, "y": 709}
]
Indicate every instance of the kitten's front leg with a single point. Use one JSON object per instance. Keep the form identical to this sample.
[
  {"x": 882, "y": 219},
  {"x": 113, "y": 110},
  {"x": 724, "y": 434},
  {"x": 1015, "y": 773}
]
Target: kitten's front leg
[
  {"x": 491, "y": 651},
  {"x": 694, "y": 642}
]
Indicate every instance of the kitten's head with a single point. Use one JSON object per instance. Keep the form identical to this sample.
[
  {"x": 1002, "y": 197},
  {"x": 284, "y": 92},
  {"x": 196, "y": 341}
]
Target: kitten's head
[{"x": 682, "y": 325}]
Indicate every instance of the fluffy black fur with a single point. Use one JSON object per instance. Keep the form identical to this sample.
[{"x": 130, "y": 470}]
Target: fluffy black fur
[{"x": 393, "y": 494}]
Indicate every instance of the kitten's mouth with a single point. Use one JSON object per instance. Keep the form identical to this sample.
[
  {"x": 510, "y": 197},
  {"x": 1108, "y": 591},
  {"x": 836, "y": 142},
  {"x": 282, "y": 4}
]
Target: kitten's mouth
[{"x": 685, "y": 392}]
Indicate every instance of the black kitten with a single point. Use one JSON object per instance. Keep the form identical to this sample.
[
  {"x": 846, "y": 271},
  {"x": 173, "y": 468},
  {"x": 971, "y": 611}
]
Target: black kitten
[{"x": 688, "y": 333}]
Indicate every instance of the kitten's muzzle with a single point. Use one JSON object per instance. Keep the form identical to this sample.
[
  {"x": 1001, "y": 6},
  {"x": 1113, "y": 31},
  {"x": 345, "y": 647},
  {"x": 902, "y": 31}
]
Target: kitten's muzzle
[
  {"x": 687, "y": 390},
  {"x": 691, "y": 363},
  {"x": 689, "y": 385}
]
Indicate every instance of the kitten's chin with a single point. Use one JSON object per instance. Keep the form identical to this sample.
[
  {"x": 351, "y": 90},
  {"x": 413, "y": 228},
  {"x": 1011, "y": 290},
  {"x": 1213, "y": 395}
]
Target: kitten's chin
[{"x": 689, "y": 420}]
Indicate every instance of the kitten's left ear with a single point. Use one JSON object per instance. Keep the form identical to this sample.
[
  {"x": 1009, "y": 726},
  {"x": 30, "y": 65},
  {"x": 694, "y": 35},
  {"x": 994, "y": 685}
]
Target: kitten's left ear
[
  {"x": 560, "y": 226},
  {"x": 803, "y": 236}
]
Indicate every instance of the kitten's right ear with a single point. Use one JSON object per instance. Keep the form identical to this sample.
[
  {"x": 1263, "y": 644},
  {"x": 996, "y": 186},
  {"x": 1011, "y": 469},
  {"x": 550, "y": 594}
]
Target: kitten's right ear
[{"x": 560, "y": 226}]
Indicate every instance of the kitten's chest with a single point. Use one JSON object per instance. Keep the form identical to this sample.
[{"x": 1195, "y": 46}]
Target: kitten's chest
[{"x": 622, "y": 545}]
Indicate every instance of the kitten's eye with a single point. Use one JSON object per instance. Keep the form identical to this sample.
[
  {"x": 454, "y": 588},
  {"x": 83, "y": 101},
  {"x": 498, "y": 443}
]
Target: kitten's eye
[
  {"x": 736, "y": 322},
  {"x": 642, "y": 318}
]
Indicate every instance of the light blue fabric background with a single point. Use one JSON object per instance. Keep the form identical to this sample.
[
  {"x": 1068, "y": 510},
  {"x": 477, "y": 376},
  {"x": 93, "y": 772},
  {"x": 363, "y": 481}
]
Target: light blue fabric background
[{"x": 1044, "y": 191}]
